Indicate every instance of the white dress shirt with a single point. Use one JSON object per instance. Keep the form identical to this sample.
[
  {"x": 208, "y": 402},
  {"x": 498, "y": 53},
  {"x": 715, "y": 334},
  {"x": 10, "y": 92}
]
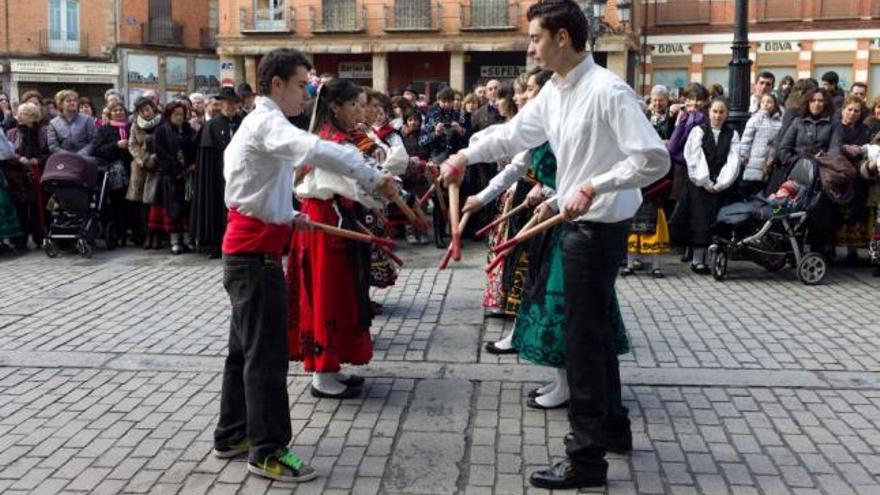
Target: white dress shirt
[
  {"x": 598, "y": 133},
  {"x": 259, "y": 163},
  {"x": 698, "y": 167}
]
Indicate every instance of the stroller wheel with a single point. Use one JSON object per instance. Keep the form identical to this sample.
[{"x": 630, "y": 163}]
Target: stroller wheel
[
  {"x": 719, "y": 264},
  {"x": 84, "y": 248},
  {"x": 812, "y": 268},
  {"x": 50, "y": 248}
]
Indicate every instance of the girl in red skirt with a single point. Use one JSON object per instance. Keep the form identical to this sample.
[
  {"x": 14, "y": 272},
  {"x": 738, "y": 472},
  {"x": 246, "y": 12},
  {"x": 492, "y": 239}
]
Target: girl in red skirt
[{"x": 329, "y": 277}]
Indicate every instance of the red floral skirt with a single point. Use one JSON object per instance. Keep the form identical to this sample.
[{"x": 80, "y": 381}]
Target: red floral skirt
[{"x": 325, "y": 328}]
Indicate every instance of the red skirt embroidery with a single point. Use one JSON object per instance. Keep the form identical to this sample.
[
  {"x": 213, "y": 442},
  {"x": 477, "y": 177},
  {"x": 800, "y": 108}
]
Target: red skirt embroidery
[{"x": 324, "y": 329}]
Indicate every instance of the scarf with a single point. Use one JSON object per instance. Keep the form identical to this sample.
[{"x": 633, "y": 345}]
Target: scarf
[
  {"x": 149, "y": 124},
  {"x": 356, "y": 137},
  {"x": 121, "y": 128},
  {"x": 385, "y": 131}
]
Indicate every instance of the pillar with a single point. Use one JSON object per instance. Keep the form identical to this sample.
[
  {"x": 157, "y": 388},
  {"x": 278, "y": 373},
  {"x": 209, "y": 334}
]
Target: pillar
[
  {"x": 696, "y": 66},
  {"x": 805, "y": 60},
  {"x": 456, "y": 71},
  {"x": 863, "y": 61},
  {"x": 649, "y": 75},
  {"x": 250, "y": 71},
  {"x": 380, "y": 72},
  {"x": 616, "y": 63}
]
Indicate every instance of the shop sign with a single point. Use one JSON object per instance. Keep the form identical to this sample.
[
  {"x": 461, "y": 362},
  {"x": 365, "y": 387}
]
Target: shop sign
[
  {"x": 501, "y": 71},
  {"x": 63, "y": 67},
  {"x": 778, "y": 46},
  {"x": 671, "y": 49},
  {"x": 356, "y": 70}
]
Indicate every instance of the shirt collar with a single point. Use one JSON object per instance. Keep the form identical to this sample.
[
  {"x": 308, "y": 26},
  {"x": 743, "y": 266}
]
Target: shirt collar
[
  {"x": 263, "y": 101},
  {"x": 575, "y": 74}
]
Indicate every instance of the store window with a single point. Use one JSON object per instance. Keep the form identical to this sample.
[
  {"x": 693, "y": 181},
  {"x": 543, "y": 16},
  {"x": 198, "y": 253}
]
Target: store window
[
  {"x": 674, "y": 79},
  {"x": 845, "y": 72},
  {"x": 717, "y": 75}
]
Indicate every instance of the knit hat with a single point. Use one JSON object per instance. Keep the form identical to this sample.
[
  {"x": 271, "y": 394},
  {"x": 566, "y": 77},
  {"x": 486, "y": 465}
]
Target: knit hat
[{"x": 790, "y": 187}]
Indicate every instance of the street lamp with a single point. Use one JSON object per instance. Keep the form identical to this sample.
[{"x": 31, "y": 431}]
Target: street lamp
[
  {"x": 740, "y": 68},
  {"x": 596, "y": 25}
]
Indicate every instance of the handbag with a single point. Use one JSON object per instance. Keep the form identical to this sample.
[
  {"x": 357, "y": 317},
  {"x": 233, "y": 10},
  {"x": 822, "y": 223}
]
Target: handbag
[
  {"x": 151, "y": 186},
  {"x": 838, "y": 178},
  {"x": 116, "y": 176}
]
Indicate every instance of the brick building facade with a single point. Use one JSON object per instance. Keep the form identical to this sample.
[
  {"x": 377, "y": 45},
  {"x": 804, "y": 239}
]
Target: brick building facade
[
  {"x": 689, "y": 40},
  {"x": 389, "y": 44},
  {"x": 93, "y": 45}
]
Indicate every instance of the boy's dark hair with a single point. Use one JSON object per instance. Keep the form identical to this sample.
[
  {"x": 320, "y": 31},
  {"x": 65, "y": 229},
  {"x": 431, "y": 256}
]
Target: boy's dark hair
[
  {"x": 562, "y": 14},
  {"x": 831, "y": 77},
  {"x": 445, "y": 94},
  {"x": 281, "y": 62},
  {"x": 859, "y": 84},
  {"x": 766, "y": 74},
  {"x": 336, "y": 91}
]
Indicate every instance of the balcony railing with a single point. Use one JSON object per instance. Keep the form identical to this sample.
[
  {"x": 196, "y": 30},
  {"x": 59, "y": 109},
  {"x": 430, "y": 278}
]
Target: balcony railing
[
  {"x": 489, "y": 15},
  {"x": 412, "y": 15},
  {"x": 838, "y": 9},
  {"x": 208, "y": 38},
  {"x": 64, "y": 42},
  {"x": 779, "y": 10},
  {"x": 339, "y": 16},
  {"x": 680, "y": 12},
  {"x": 267, "y": 20},
  {"x": 162, "y": 33}
]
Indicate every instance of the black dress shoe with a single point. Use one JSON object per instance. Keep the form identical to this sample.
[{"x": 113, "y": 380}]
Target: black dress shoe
[
  {"x": 491, "y": 348},
  {"x": 564, "y": 475},
  {"x": 353, "y": 381},
  {"x": 348, "y": 393},
  {"x": 534, "y": 404}
]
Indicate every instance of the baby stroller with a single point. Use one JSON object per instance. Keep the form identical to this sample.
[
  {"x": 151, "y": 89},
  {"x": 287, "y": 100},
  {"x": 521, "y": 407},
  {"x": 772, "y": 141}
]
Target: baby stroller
[
  {"x": 771, "y": 232},
  {"x": 77, "y": 186}
]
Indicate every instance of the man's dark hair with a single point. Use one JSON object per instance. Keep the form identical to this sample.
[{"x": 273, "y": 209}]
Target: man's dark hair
[
  {"x": 445, "y": 94},
  {"x": 766, "y": 74},
  {"x": 281, "y": 62},
  {"x": 562, "y": 14},
  {"x": 831, "y": 77},
  {"x": 859, "y": 84}
]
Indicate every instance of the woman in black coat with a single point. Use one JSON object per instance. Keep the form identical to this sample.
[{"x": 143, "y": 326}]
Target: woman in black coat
[
  {"x": 852, "y": 217},
  {"x": 111, "y": 146},
  {"x": 175, "y": 156}
]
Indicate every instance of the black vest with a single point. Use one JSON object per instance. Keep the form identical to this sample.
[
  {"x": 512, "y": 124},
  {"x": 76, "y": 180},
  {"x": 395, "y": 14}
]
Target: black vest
[{"x": 716, "y": 153}]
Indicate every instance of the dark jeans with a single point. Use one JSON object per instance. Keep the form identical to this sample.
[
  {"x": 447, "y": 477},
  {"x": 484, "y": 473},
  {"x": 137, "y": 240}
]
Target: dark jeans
[
  {"x": 590, "y": 255},
  {"x": 254, "y": 401}
]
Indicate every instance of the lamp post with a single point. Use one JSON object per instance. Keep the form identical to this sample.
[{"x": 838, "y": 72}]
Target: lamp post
[
  {"x": 740, "y": 68},
  {"x": 594, "y": 10}
]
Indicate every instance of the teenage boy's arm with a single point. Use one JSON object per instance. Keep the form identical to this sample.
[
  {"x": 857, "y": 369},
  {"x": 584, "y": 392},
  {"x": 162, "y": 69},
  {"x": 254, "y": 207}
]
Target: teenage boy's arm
[
  {"x": 282, "y": 139},
  {"x": 523, "y": 132}
]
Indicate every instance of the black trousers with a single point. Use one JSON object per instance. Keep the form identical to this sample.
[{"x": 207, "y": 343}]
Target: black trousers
[
  {"x": 254, "y": 402},
  {"x": 590, "y": 255}
]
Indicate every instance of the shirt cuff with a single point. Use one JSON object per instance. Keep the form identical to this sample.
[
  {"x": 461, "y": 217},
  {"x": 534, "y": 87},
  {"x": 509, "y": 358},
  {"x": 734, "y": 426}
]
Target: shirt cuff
[
  {"x": 602, "y": 183},
  {"x": 472, "y": 155}
]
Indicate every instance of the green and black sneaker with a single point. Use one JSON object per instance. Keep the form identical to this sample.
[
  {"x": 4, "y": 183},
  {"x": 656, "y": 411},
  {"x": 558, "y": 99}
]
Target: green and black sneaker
[
  {"x": 285, "y": 466},
  {"x": 233, "y": 450}
]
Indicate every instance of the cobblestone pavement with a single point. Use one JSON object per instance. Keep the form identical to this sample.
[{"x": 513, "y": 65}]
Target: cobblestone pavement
[{"x": 110, "y": 380}]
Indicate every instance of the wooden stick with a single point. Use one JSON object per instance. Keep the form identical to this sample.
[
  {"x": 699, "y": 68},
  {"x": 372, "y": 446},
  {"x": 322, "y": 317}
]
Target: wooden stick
[
  {"x": 522, "y": 206},
  {"x": 384, "y": 249},
  {"x": 454, "y": 218},
  {"x": 448, "y": 255},
  {"x": 500, "y": 256},
  {"x": 525, "y": 235},
  {"x": 440, "y": 198},
  {"x": 418, "y": 222},
  {"x": 427, "y": 194},
  {"x": 354, "y": 236}
]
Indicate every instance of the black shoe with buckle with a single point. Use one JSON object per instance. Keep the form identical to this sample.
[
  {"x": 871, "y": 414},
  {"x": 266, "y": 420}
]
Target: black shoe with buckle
[{"x": 564, "y": 475}]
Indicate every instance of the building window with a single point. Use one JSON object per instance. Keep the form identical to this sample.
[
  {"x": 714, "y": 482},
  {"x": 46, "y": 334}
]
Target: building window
[
  {"x": 845, "y": 72},
  {"x": 489, "y": 13},
  {"x": 269, "y": 15},
  {"x": 63, "y": 26},
  {"x": 412, "y": 14},
  {"x": 340, "y": 15},
  {"x": 674, "y": 79}
]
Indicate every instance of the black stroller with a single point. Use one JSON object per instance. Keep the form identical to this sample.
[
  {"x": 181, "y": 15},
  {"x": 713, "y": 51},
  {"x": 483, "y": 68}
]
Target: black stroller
[
  {"x": 771, "y": 233},
  {"x": 76, "y": 185}
]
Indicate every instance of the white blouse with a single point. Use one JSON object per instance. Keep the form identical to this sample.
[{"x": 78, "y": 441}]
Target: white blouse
[{"x": 698, "y": 167}]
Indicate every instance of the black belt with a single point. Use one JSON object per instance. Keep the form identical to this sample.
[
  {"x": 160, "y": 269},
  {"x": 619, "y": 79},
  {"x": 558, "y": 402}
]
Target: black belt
[
  {"x": 587, "y": 224},
  {"x": 263, "y": 258}
]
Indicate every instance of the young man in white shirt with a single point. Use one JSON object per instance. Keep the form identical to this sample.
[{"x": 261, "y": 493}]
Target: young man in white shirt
[
  {"x": 606, "y": 150},
  {"x": 259, "y": 166}
]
